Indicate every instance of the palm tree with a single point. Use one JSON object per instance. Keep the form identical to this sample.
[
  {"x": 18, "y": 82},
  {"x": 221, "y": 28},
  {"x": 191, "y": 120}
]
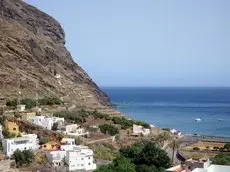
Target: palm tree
[{"x": 175, "y": 144}]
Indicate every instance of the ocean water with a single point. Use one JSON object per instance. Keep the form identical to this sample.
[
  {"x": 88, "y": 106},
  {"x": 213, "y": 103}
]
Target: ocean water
[{"x": 177, "y": 108}]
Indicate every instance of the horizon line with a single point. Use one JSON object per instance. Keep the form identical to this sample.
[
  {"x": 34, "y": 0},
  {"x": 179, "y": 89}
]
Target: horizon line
[{"x": 163, "y": 86}]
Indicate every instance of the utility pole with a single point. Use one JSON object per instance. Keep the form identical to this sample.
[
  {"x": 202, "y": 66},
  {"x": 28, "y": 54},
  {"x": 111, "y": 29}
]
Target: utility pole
[
  {"x": 173, "y": 150},
  {"x": 18, "y": 89},
  {"x": 36, "y": 95}
]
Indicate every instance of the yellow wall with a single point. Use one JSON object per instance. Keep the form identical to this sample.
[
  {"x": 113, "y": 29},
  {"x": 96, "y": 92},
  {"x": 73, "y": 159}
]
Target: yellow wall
[
  {"x": 28, "y": 116},
  {"x": 50, "y": 146},
  {"x": 12, "y": 127}
]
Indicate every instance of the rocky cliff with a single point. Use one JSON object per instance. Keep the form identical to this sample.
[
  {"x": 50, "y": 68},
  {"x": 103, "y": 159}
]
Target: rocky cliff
[{"x": 33, "y": 57}]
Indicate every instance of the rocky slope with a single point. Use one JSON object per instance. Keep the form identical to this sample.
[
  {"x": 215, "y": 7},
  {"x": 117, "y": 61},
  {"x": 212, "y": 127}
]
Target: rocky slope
[{"x": 32, "y": 51}]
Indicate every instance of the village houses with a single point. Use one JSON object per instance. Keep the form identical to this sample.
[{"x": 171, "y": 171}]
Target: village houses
[
  {"x": 73, "y": 130},
  {"x": 47, "y": 122},
  {"x": 138, "y": 130},
  {"x": 12, "y": 127},
  {"x": 76, "y": 157},
  {"x": 26, "y": 142}
]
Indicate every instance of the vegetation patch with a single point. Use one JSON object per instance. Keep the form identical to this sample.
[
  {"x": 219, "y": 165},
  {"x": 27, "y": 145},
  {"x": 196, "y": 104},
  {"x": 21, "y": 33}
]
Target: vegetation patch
[
  {"x": 141, "y": 157},
  {"x": 221, "y": 159},
  {"x": 109, "y": 129},
  {"x": 30, "y": 103},
  {"x": 104, "y": 151}
]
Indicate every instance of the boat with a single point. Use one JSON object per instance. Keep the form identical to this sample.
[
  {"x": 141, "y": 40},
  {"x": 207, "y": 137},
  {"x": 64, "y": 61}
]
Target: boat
[{"x": 198, "y": 120}]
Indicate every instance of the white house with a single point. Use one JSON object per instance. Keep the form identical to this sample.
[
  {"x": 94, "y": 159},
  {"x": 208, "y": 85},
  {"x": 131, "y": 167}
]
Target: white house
[
  {"x": 74, "y": 130},
  {"x": 213, "y": 168},
  {"x": 47, "y": 122},
  {"x": 67, "y": 144},
  {"x": 80, "y": 158},
  {"x": 21, "y": 108},
  {"x": 55, "y": 158},
  {"x": 25, "y": 142},
  {"x": 175, "y": 132},
  {"x": 138, "y": 129}
]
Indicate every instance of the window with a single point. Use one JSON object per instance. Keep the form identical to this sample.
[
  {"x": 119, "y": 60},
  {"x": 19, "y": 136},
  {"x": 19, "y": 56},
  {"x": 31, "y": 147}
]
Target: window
[
  {"x": 25, "y": 148},
  {"x": 89, "y": 164},
  {"x": 89, "y": 157},
  {"x": 81, "y": 158},
  {"x": 14, "y": 129},
  {"x": 81, "y": 164}
]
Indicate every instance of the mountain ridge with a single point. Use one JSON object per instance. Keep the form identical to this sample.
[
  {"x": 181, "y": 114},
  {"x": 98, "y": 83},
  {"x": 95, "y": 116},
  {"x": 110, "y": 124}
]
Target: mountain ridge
[{"x": 34, "y": 59}]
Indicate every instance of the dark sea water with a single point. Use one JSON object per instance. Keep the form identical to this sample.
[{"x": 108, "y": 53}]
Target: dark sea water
[{"x": 177, "y": 108}]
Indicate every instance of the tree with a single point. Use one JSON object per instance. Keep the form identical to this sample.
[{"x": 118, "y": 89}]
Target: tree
[
  {"x": 131, "y": 152},
  {"x": 123, "y": 164},
  {"x": 227, "y": 146},
  {"x": 110, "y": 129},
  {"x": 55, "y": 126},
  {"x": 23, "y": 157},
  {"x": 151, "y": 154},
  {"x": 216, "y": 148},
  {"x": 175, "y": 144},
  {"x": 105, "y": 168},
  {"x": 221, "y": 159},
  {"x": 145, "y": 168}
]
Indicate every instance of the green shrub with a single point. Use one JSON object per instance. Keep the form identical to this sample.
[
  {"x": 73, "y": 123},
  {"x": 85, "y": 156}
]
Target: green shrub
[
  {"x": 44, "y": 140},
  {"x": 109, "y": 129},
  {"x": 142, "y": 123},
  {"x": 125, "y": 123},
  {"x": 72, "y": 117},
  {"x": 196, "y": 149},
  {"x": 227, "y": 146},
  {"x": 23, "y": 157},
  {"x": 7, "y": 134},
  {"x": 50, "y": 101}
]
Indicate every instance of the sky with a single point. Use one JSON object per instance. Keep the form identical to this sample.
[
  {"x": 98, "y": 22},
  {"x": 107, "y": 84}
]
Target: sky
[{"x": 147, "y": 42}]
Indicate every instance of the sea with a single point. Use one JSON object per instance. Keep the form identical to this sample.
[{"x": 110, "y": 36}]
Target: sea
[{"x": 176, "y": 108}]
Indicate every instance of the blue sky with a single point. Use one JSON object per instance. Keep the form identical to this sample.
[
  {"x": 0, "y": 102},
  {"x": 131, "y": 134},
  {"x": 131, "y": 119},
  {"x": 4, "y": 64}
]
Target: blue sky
[{"x": 147, "y": 42}]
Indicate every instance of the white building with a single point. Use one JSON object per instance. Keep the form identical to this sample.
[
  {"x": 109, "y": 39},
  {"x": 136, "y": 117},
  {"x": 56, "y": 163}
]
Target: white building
[
  {"x": 76, "y": 157},
  {"x": 1, "y": 135},
  {"x": 213, "y": 168},
  {"x": 74, "y": 130},
  {"x": 21, "y": 108},
  {"x": 25, "y": 142},
  {"x": 175, "y": 132},
  {"x": 67, "y": 144},
  {"x": 47, "y": 122},
  {"x": 55, "y": 158},
  {"x": 138, "y": 129},
  {"x": 80, "y": 158}
]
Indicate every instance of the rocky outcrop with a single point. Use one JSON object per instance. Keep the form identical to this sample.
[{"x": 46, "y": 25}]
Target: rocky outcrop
[{"x": 34, "y": 58}]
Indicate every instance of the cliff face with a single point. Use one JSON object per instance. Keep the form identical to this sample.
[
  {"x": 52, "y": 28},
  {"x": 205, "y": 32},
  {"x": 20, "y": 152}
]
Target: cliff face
[{"x": 32, "y": 48}]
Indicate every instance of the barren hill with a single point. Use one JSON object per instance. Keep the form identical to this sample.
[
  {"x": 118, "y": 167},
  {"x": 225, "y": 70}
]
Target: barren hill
[{"x": 33, "y": 57}]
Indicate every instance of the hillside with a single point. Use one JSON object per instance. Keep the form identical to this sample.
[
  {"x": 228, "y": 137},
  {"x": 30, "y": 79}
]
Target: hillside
[{"x": 34, "y": 58}]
